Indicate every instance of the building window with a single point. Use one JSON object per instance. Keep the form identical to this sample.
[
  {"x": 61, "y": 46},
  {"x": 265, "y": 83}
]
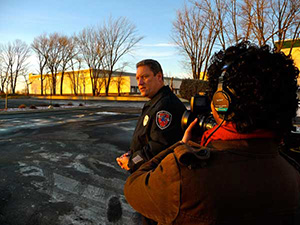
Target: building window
[
  {"x": 176, "y": 91},
  {"x": 134, "y": 89}
]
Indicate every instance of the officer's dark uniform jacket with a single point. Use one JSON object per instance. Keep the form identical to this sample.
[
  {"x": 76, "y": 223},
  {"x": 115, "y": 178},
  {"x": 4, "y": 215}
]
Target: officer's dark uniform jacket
[
  {"x": 157, "y": 128},
  {"x": 240, "y": 182}
]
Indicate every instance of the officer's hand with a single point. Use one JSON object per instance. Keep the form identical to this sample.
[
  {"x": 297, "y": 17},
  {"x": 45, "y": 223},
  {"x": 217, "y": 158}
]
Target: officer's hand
[
  {"x": 123, "y": 160},
  {"x": 188, "y": 132}
]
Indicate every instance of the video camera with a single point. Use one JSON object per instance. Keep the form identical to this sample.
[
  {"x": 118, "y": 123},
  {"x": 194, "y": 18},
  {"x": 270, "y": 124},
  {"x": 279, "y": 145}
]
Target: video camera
[{"x": 200, "y": 108}]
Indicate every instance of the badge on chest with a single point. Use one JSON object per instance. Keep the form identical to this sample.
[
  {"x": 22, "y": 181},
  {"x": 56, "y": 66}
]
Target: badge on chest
[
  {"x": 146, "y": 119},
  {"x": 163, "y": 119}
]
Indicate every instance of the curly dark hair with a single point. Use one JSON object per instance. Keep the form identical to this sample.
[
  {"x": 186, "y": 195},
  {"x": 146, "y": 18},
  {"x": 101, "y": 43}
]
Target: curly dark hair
[{"x": 264, "y": 83}]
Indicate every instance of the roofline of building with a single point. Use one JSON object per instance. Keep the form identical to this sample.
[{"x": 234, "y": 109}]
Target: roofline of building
[
  {"x": 288, "y": 43},
  {"x": 115, "y": 73}
]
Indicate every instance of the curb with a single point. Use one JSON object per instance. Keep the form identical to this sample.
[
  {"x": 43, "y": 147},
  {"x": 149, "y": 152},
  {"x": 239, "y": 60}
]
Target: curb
[
  {"x": 102, "y": 98},
  {"x": 95, "y": 98},
  {"x": 56, "y": 109}
]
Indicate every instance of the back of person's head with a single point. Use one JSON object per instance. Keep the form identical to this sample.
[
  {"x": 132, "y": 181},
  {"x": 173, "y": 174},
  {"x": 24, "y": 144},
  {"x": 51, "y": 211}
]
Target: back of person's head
[
  {"x": 263, "y": 87},
  {"x": 154, "y": 66}
]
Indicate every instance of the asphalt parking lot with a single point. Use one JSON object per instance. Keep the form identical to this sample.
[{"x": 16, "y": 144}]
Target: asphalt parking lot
[{"x": 58, "y": 166}]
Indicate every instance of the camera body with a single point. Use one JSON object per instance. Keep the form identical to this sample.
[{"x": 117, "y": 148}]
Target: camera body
[{"x": 200, "y": 108}]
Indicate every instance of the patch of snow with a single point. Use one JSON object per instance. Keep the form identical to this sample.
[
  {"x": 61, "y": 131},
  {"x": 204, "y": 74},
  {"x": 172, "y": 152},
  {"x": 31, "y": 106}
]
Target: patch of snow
[
  {"x": 107, "y": 113},
  {"x": 41, "y": 108},
  {"x": 80, "y": 167},
  {"x": 32, "y": 171},
  {"x": 80, "y": 156}
]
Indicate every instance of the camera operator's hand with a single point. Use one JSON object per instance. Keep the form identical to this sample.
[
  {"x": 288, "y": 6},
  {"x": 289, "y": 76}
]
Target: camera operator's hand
[
  {"x": 123, "y": 160},
  {"x": 188, "y": 132}
]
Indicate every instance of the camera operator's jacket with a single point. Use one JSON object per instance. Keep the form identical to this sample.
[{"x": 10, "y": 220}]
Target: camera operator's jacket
[
  {"x": 236, "y": 182},
  {"x": 158, "y": 127}
]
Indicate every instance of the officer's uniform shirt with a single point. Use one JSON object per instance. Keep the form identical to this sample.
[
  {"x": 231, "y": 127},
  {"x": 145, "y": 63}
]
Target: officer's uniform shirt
[{"x": 158, "y": 127}]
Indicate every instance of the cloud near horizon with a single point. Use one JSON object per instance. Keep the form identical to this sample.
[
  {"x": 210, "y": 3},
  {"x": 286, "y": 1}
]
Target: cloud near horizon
[
  {"x": 150, "y": 54},
  {"x": 155, "y": 50},
  {"x": 158, "y": 45}
]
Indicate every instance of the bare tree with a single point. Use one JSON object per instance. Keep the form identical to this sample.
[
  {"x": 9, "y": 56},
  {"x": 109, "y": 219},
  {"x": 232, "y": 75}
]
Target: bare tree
[
  {"x": 120, "y": 80},
  {"x": 54, "y": 53},
  {"x": 228, "y": 22},
  {"x": 75, "y": 74},
  {"x": 47, "y": 85},
  {"x": 285, "y": 21},
  {"x": 91, "y": 48},
  {"x": 171, "y": 85},
  {"x": 54, "y": 59},
  {"x": 8, "y": 59},
  {"x": 120, "y": 37},
  {"x": 27, "y": 82},
  {"x": 82, "y": 86},
  {"x": 218, "y": 10},
  {"x": 295, "y": 35},
  {"x": 6, "y": 85},
  {"x": 234, "y": 25},
  {"x": 260, "y": 21},
  {"x": 270, "y": 21},
  {"x": 260, "y": 25},
  {"x": 4, "y": 80},
  {"x": 101, "y": 84},
  {"x": 195, "y": 34},
  {"x": 41, "y": 47},
  {"x": 22, "y": 51},
  {"x": 14, "y": 57},
  {"x": 3, "y": 75},
  {"x": 68, "y": 52}
]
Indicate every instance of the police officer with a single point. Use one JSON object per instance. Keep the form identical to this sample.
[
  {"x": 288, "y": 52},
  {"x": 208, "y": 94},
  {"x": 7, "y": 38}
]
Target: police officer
[{"x": 159, "y": 124}]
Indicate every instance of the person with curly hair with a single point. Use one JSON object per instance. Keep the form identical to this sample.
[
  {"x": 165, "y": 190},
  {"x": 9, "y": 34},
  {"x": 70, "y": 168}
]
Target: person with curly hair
[
  {"x": 262, "y": 86},
  {"x": 235, "y": 175}
]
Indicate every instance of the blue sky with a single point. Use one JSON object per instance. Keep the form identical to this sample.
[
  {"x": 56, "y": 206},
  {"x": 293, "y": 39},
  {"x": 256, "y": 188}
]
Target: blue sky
[{"x": 26, "y": 19}]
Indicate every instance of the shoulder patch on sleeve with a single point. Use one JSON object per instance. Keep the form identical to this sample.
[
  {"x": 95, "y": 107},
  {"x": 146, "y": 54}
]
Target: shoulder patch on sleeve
[{"x": 163, "y": 119}]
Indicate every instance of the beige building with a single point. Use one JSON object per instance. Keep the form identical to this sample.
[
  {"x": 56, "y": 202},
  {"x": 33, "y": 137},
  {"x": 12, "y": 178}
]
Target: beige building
[{"x": 79, "y": 83}]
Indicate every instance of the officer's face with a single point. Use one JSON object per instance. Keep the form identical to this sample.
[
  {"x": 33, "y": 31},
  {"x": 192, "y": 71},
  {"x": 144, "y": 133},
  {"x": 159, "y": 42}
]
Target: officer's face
[{"x": 148, "y": 84}]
